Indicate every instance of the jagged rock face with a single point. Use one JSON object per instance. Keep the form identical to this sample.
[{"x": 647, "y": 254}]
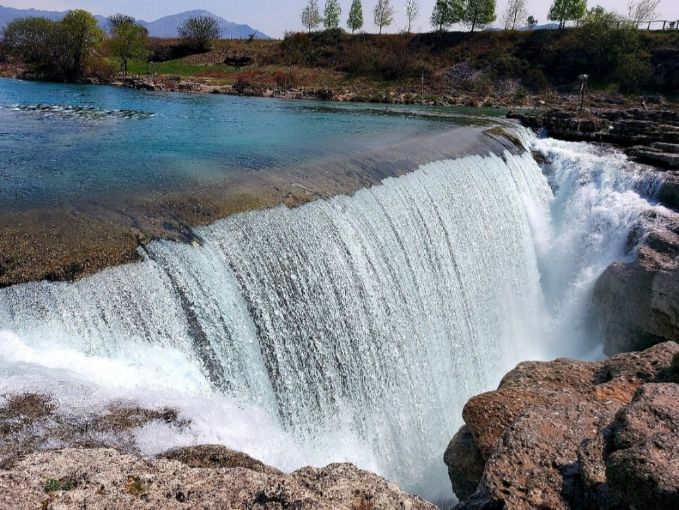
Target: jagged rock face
[
  {"x": 644, "y": 465},
  {"x": 544, "y": 437},
  {"x": 638, "y": 301},
  {"x": 105, "y": 479}
]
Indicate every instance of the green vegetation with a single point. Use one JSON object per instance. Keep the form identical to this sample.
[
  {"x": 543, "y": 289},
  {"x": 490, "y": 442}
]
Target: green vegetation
[
  {"x": 479, "y": 13},
  {"x": 447, "y": 13},
  {"x": 52, "y": 485},
  {"x": 567, "y": 10},
  {"x": 332, "y": 14},
  {"x": 58, "y": 50},
  {"x": 383, "y": 14},
  {"x": 311, "y": 16},
  {"x": 605, "y": 46},
  {"x": 128, "y": 40},
  {"x": 355, "y": 20}
]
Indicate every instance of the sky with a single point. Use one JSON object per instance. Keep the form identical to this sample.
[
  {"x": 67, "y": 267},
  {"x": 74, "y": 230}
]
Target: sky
[{"x": 275, "y": 17}]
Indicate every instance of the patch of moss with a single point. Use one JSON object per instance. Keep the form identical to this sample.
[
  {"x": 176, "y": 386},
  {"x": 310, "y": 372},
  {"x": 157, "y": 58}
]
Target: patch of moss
[{"x": 52, "y": 485}]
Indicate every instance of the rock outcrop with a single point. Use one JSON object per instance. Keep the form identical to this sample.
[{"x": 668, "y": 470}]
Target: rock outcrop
[
  {"x": 106, "y": 479},
  {"x": 56, "y": 458},
  {"x": 649, "y": 136},
  {"x": 570, "y": 434},
  {"x": 638, "y": 300}
]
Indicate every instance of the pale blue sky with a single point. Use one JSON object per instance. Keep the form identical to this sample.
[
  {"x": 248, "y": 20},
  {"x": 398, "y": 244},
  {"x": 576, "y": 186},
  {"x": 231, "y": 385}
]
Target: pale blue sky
[{"x": 276, "y": 16}]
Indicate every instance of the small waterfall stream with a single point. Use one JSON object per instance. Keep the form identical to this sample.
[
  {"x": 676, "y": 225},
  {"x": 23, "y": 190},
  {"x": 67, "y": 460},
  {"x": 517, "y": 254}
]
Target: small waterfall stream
[{"x": 353, "y": 328}]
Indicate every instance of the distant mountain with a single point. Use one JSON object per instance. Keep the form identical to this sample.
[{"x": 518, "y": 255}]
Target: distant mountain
[
  {"x": 164, "y": 27},
  {"x": 167, "y": 26}
]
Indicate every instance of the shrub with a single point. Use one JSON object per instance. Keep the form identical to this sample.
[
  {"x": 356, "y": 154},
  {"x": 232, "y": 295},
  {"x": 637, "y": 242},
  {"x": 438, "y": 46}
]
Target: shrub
[{"x": 199, "y": 32}]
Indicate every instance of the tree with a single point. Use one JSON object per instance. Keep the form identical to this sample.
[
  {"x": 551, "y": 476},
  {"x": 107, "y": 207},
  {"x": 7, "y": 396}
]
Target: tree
[
  {"x": 119, "y": 19},
  {"x": 479, "y": 13},
  {"x": 81, "y": 36},
  {"x": 412, "y": 11},
  {"x": 355, "y": 21},
  {"x": 199, "y": 32},
  {"x": 311, "y": 16},
  {"x": 31, "y": 40},
  {"x": 531, "y": 21},
  {"x": 565, "y": 10},
  {"x": 643, "y": 11},
  {"x": 383, "y": 14},
  {"x": 516, "y": 10},
  {"x": 129, "y": 40},
  {"x": 331, "y": 14},
  {"x": 446, "y": 13}
]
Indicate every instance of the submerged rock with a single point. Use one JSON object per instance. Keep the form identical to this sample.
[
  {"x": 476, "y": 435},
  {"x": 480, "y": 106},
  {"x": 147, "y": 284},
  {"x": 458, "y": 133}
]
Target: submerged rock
[
  {"x": 106, "y": 478},
  {"x": 551, "y": 436}
]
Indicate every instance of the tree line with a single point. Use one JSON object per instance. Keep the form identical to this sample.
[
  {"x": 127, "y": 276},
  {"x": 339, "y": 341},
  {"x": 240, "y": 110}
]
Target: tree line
[
  {"x": 68, "y": 49},
  {"x": 472, "y": 13}
]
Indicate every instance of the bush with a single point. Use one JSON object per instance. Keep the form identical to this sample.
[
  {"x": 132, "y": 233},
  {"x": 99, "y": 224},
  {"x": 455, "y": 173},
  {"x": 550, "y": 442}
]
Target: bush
[
  {"x": 199, "y": 32},
  {"x": 55, "y": 50}
]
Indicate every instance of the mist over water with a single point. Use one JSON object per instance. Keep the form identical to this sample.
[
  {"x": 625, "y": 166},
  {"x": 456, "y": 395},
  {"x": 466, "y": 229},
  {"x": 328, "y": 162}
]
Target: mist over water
[{"x": 351, "y": 329}]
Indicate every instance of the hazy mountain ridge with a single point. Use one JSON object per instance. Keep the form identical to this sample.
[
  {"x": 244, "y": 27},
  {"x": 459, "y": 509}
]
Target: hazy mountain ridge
[{"x": 163, "y": 27}]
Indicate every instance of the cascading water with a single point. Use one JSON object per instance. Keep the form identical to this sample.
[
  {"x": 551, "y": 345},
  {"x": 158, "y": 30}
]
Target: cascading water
[{"x": 348, "y": 329}]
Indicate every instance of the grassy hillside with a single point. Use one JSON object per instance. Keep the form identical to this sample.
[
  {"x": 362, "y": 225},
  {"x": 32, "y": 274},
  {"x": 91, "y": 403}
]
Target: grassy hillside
[
  {"x": 489, "y": 67},
  {"x": 483, "y": 63}
]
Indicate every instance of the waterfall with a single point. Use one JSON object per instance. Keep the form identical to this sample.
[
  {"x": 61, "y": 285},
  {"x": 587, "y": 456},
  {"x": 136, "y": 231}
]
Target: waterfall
[{"x": 353, "y": 328}]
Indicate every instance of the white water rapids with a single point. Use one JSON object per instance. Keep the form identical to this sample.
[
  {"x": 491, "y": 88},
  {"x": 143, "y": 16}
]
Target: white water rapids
[{"x": 350, "y": 329}]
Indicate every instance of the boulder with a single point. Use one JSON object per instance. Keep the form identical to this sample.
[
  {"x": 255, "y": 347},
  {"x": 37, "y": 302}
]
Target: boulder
[
  {"x": 465, "y": 463},
  {"x": 105, "y": 479},
  {"x": 543, "y": 436}
]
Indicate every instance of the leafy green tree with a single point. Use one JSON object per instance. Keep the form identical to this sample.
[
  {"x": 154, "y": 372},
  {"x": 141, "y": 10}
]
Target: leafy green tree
[
  {"x": 31, "y": 40},
  {"x": 311, "y": 16},
  {"x": 531, "y": 22},
  {"x": 566, "y": 10},
  {"x": 383, "y": 14},
  {"x": 200, "y": 32},
  {"x": 355, "y": 21},
  {"x": 479, "y": 13},
  {"x": 129, "y": 40},
  {"x": 81, "y": 36},
  {"x": 331, "y": 14},
  {"x": 446, "y": 13}
]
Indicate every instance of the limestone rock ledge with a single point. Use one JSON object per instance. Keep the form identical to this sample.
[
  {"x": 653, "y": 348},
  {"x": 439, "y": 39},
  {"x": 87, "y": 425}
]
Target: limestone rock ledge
[
  {"x": 56, "y": 457},
  {"x": 108, "y": 479},
  {"x": 574, "y": 435}
]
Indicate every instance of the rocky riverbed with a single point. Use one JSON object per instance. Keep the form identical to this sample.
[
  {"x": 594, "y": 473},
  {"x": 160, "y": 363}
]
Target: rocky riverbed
[{"x": 574, "y": 435}]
